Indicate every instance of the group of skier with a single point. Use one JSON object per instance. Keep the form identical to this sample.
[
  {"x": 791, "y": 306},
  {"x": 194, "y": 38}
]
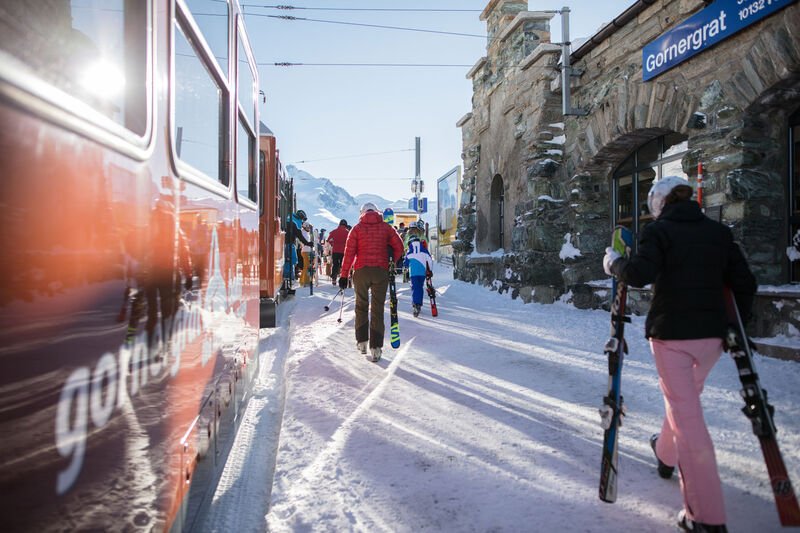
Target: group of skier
[
  {"x": 690, "y": 261},
  {"x": 366, "y": 257}
]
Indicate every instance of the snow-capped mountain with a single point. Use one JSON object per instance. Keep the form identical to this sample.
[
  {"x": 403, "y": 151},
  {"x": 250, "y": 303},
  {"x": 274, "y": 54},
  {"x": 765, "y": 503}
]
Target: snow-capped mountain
[{"x": 326, "y": 204}]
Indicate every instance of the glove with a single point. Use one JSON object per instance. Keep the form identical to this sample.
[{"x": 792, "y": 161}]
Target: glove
[
  {"x": 608, "y": 260},
  {"x": 428, "y": 274},
  {"x": 343, "y": 283}
]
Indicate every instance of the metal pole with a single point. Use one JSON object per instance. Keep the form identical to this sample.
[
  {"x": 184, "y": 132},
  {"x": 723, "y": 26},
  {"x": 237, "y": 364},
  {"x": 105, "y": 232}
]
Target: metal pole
[
  {"x": 565, "y": 67},
  {"x": 416, "y": 174},
  {"x": 417, "y": 180}
]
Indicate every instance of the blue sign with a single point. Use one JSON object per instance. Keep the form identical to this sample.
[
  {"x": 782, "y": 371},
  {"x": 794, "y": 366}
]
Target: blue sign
[
  {"x": 419, "y": 205},
  {"x": 703, "y": 30}
]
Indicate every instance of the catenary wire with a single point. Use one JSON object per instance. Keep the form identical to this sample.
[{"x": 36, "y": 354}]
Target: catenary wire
[
  {"x": 391, "y": 9},
  {"x": 290, "y": 64},
  {"x": 353, "y": 156},
  {"x": 380, "y": 26}
]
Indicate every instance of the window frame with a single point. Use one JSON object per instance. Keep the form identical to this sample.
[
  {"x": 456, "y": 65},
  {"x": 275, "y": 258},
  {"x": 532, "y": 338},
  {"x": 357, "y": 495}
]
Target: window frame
[
  {"x": 637, "y": 221},
  {"x": 240, "y": 37},
  {"x": 35, "y": 95},
  {"x": 792, "y": 191},
  {"x": 184, "y": 170}
]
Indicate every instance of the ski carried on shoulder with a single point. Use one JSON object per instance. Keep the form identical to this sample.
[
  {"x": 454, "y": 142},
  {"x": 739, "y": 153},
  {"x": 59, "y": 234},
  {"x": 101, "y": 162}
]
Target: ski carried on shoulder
[
  {"x": 431, "y": 294},
  {"x": 394, "y": 327},
  {"x": 758, "y": 410},
  {"x": 612, "y": 411}
]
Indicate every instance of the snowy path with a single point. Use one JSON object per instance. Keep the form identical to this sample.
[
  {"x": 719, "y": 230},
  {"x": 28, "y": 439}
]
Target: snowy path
[{"x": 486, "y": 420}]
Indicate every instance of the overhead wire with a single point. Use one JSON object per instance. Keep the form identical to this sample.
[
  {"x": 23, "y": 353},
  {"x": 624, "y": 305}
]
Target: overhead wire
[
  {"x": 413, "y": 10},
  {"x": 379, "y": 26},
  {"x": 352, "y": 156},
  {"x": 391, "y": 65}
]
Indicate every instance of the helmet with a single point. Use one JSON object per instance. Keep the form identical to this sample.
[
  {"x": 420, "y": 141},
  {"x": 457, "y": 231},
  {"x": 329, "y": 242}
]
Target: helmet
[
  {"x": 420, "y": 225},
  {"x": 369, "y": 206},
  {"x": 659, "y": 191},
  {"x": 301, "y": 214},
  {"x": 343, "y": 222}
]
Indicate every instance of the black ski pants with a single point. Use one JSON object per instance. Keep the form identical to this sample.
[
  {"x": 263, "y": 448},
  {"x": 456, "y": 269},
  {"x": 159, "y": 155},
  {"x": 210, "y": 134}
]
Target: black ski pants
[{"x": 370, "y": 284}]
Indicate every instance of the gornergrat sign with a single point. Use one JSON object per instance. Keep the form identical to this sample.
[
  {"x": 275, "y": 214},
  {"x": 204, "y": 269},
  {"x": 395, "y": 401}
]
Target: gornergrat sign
[{"x": 703, "y": 30}]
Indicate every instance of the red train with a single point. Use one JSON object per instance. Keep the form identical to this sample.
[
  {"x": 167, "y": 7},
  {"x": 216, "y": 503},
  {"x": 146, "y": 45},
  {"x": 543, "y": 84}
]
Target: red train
[{"x": 141, "y": 232}]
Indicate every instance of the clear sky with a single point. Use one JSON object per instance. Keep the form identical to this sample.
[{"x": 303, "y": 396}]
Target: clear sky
[{"x": 323, "y": 112}]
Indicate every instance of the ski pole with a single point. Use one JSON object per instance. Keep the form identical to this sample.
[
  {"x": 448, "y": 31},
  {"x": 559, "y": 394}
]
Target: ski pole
[
  {"x": 341, "y": 308},
  {"x": 327, "y": 307}
]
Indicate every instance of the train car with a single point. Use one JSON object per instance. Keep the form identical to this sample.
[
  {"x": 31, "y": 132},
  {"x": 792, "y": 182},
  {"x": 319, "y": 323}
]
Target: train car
[
  {"x": 129, "y": 286},
  {"x": 277, "y": 205}
]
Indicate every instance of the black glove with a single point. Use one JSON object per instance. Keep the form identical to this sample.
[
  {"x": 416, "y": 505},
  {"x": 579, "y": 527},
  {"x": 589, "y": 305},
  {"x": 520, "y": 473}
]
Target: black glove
[
  {"x": 343, "y": 283},
  {"x": 428, "y": 274}
]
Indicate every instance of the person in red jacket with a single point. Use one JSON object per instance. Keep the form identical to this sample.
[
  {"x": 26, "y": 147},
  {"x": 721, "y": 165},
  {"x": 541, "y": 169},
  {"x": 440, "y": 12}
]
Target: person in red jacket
[
  {"x": 367, "y": 250},
  {"x": 337, "y": 239}
]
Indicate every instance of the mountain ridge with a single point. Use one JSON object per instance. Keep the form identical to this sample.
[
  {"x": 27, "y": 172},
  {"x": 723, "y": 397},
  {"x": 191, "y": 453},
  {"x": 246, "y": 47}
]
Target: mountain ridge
[{"x": 326, "y": 204}]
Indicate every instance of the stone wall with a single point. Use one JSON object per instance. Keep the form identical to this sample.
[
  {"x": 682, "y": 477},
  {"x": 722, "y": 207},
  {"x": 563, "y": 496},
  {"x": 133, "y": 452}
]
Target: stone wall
[{"x": 732, "y": 102}]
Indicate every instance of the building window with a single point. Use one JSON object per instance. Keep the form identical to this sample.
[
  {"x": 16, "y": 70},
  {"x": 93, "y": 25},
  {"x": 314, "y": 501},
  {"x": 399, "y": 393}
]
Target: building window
[
  {"x": 496, "y": 217},
  {"x": 634, "y": 177},
  {"x": 199, "y": 137},
  {"x": 794, "y": 197}
]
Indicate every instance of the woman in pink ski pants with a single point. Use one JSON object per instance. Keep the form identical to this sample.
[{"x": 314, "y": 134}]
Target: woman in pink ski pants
[{"x": 689, "y": 259}]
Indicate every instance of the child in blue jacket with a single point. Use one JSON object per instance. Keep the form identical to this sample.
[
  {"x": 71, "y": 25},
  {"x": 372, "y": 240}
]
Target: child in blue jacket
[{"x": 419, "y": 263}]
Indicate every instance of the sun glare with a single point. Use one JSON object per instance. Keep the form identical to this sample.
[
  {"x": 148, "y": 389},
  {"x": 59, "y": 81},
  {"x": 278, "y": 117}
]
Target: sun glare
[{"x": 103, "y": 79}]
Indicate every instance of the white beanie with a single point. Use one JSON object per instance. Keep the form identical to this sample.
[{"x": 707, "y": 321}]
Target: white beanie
[
  {"x": 369, "y": 206},
  {"x": 660, "y": 190}
]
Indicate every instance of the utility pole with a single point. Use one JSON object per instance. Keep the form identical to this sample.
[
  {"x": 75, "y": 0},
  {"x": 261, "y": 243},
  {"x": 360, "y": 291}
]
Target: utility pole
[
  {"x": 417, "y": 185},
  {"x": 566, "y": 70}
]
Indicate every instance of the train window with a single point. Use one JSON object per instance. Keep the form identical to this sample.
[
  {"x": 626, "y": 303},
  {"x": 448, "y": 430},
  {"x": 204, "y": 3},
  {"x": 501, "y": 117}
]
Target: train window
[
  {"x": 92, "y": 50},
  {"x": 200, "y": 117},
  {"x": 262, "y": 164},
  {"x": 211, "y": 17},
  {"x": 247, "y": 85},
  {"x": 246, "y": 184}
]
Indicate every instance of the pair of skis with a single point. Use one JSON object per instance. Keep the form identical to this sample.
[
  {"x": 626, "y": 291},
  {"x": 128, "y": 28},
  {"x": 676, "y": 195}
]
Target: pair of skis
[
  {"x": 757, "y": 408},
  {"x": 394, "y": 327},
  {"x": 612, "y": 411},
  {"x": 431, "y": 293}
]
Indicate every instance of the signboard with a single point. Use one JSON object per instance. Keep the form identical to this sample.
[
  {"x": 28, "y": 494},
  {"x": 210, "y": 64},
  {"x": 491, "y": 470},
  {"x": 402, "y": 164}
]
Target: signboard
[
  {"x": 703, "y": 30},
  {"x": 420, "y": 205},
  {"x": 447, "y": 207}
]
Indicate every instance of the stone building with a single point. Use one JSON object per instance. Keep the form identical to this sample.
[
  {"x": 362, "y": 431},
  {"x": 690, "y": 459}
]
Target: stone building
[{"x": 542, "y": 191}]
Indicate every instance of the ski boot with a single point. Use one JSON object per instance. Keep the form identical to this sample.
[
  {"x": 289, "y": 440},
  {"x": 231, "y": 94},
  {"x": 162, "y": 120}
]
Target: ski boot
[
  {"x": 362, "y": 346},
  {"x": 416, "y": 309},
  {"x": 664, "y": 470},
  {"x": 375, "y": 354},
  {"x": 686, "y": 524}
]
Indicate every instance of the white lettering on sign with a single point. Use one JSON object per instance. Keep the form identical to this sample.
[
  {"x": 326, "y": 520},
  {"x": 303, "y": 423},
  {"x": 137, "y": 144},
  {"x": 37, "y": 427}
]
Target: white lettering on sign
[{"x": 694, "y": 41}]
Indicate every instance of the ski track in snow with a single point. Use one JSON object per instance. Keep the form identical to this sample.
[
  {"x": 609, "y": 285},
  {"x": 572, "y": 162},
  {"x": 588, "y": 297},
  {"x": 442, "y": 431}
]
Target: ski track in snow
[{"x": 485, "y": 419}]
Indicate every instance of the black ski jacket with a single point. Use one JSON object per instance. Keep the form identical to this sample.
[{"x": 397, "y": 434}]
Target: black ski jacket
[{"x": 689, "y": 259}]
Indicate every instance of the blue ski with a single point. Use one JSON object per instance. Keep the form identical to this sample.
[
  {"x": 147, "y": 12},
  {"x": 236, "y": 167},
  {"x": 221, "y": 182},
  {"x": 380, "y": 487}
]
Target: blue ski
[{"x": 611, "y": 412}]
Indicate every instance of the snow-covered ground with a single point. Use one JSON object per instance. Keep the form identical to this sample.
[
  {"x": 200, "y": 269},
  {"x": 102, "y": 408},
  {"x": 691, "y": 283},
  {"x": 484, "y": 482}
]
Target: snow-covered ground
[{"x": 485, "y": 419}]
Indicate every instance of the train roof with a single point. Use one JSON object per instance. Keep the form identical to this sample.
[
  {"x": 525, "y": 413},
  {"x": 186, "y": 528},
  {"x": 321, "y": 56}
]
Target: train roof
[{"x": 263, "y": 129}]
